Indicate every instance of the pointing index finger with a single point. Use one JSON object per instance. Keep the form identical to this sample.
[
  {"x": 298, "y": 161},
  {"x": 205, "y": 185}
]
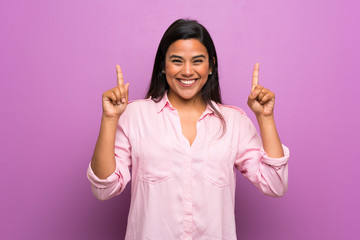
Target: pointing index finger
[
  {"x": 255, "y": 77},
  {"x": 120, "y": 80}
]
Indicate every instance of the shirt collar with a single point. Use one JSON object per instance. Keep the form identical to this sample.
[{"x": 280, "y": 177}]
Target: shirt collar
[
  {"x": 165, "y": 103},
  {"x": 209, "y": 110}
]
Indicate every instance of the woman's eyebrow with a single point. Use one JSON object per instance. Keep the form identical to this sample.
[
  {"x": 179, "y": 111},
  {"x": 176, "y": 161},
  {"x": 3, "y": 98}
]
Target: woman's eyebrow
[{"x": 197, "y": 56}]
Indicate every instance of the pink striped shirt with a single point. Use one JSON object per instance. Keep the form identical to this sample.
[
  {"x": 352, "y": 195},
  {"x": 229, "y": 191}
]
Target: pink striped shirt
[{"x": 180, "y": 191}]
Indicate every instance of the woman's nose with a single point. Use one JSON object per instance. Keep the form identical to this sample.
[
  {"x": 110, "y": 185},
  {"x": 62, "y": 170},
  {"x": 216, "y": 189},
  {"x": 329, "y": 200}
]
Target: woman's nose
[{"x": 187, "y": 70}]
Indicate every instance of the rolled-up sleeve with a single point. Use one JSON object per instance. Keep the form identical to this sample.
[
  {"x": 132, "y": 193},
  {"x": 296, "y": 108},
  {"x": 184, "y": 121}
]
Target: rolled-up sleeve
[
  {"x": 269, "y": 175},
  {"x": 113, "y": 185}
]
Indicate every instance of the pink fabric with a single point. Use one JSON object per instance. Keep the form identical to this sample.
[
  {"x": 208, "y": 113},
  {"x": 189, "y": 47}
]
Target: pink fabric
[{"x": 180, "y": 191}]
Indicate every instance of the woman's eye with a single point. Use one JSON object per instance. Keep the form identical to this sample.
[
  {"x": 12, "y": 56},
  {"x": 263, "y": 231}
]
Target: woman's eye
[
  {"x": 198, "y": 61},
  {"x": 176, "y": 61}
]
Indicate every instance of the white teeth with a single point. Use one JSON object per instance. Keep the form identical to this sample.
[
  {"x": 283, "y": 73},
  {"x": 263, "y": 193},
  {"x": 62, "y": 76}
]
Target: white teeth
[{"x": 187, "y": 81}]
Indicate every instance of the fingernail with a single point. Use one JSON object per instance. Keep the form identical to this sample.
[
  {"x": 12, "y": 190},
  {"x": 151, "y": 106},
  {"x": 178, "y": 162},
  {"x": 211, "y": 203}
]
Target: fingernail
[
  {"x": 123, "y": 100},
  {"x": 118, "y": 102}
]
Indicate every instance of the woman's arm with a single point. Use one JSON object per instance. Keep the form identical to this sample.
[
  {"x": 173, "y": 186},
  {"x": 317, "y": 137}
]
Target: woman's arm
[
  {"x": 269, "y": 136},
  {"x": 103, "y": 160},
  {"x": 269, "y": 173},
  {"x": 114, "y": 102},
  {"x": 262, "y": 101},
  {"x": 109, "y": 170}
]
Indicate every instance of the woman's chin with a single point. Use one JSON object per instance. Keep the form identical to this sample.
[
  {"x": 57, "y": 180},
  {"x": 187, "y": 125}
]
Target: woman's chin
[{"x": 185, "y": 95}]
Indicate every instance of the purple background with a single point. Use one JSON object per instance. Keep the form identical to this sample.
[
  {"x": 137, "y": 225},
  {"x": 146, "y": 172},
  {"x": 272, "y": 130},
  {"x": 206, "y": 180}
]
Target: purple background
[{"x": 57, "y": 58}]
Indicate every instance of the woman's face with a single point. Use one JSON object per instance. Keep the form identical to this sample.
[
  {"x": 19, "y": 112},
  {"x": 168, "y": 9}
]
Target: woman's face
[{"x": 186, "y": 68}]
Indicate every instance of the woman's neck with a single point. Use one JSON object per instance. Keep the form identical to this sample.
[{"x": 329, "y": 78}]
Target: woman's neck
[{"x": 194, "y": 104}]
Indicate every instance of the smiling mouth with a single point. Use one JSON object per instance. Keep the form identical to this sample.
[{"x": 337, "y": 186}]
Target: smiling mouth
[{"x": 187, "y": 82}]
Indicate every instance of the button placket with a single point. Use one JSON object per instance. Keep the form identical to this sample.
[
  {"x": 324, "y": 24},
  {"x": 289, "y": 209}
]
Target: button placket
[{"x": 188, "y": 208}]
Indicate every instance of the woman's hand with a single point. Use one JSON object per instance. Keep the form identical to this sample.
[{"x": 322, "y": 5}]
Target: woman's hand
[
  {"x": 115, "y": 100},
  {"x": 261, "y": 100}
]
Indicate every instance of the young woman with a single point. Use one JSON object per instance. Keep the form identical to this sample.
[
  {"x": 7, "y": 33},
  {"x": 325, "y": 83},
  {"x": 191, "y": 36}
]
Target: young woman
[{"x": 182, "y": 145}]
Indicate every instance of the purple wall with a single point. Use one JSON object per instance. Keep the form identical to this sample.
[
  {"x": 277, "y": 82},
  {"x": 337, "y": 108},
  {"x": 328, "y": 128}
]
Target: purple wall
[{"x": 57, "y": 58}]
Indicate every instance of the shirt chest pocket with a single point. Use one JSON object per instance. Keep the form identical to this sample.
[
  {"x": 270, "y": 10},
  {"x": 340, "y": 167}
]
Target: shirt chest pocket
[
  {"x": 155, "y": 162},
  {"x": 218, "y": 164}
]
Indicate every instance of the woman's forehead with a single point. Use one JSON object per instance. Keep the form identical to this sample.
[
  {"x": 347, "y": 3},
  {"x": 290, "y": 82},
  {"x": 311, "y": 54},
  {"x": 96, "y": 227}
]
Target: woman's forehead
[{"x": 187, "y": 47}]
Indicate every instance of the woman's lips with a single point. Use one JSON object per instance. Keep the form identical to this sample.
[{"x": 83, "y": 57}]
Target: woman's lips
[{"x": 186, "y": 82}]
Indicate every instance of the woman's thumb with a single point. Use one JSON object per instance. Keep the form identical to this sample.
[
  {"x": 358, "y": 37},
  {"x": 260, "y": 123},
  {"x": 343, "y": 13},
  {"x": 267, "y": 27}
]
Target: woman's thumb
[{"x": 127, "y": 91}]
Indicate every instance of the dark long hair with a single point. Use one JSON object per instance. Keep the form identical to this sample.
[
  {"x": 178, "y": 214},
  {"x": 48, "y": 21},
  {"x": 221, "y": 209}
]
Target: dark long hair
[{"x": 186, "y": 29}]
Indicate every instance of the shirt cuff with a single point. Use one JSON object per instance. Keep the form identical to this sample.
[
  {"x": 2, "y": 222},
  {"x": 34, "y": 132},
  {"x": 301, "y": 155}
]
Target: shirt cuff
[
  {"x": 276, "y": 162},
  {"x": 102, "y": 183}
]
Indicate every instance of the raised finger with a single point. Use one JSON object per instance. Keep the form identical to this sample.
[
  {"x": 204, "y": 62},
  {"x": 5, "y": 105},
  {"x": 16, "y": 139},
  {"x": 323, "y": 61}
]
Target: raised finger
[
  {"x": 117, "y": 94},
  {"x": 255, "y": 77},
  {"x": 255, "y": 93},
  {"x": 127, "y": 92},
  {"x": 122, "y": 93},
  {"x": 120, "y": 80}
]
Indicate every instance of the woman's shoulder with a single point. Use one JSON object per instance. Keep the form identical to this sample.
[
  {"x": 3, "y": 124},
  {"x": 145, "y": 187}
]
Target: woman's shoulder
[
  {"x": 140, "y": 102},
  {"x": 139, "y": 106},
  {"x": 232, "y": 111},
  {"x": 136, "y": 111},
  {"x": 235, "y": 116}
]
